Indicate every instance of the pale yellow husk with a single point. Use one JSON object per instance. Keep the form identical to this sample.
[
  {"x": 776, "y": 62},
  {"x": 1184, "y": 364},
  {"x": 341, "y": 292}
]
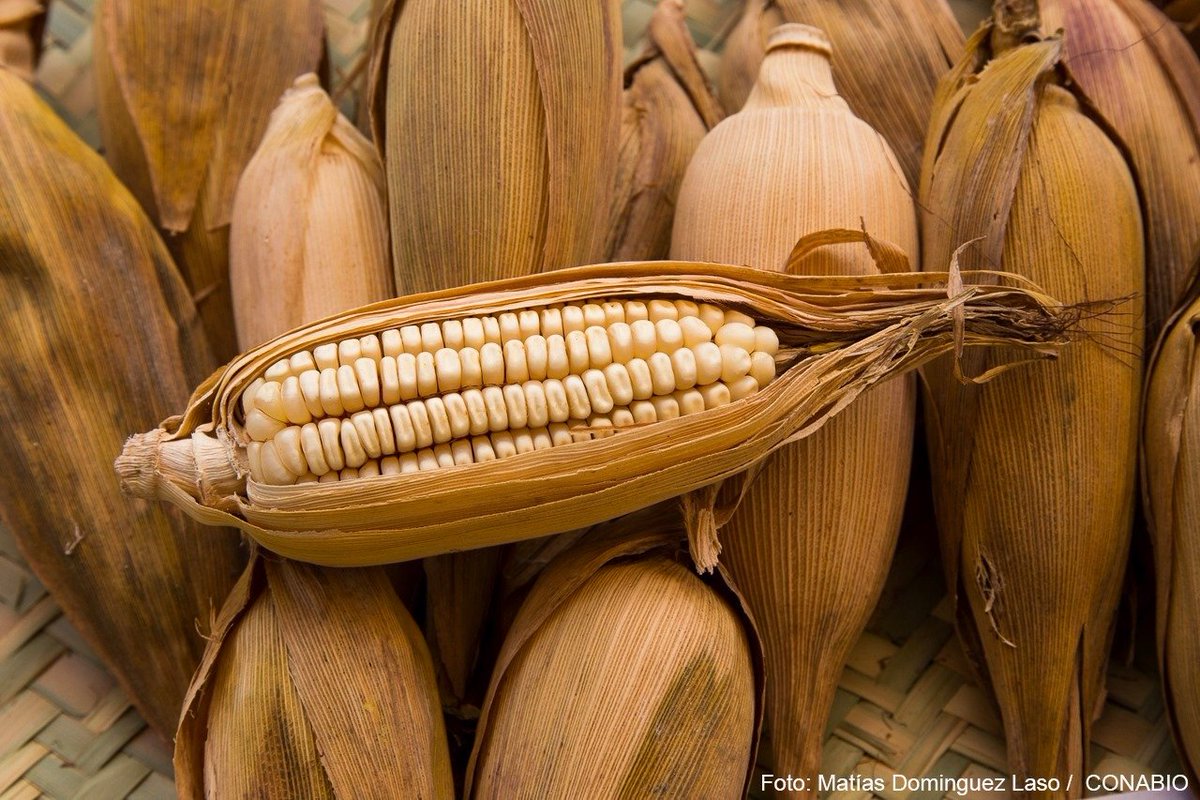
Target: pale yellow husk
[
  {"x": 1171, "y": 479},
  {"x": 844, "y": 334},
  {"x": 309, "y": 233},
  {"x": 1034, "y": 473},
  {"x": 316, "y": 683},
  {"x": 624, "y": 675},
  {"x": 184, "y": 93},
  {"x": 793, "y": 161},
  {"x": 21, "y": 23},
  {"x": 888, "y": 56},
  {"x": 1145, "y": 81},
  {"x": 98, "y": 334}
]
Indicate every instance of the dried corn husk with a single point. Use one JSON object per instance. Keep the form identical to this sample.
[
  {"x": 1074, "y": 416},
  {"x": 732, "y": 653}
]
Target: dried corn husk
[
  {"x": 888, "y": 56},
  {"x": 667, "y": 109},
  {"x": 1186, "y": 15},
  {"x": 184, "y": 94},
  {"x": 624, "y": 675},
  {"x": 793, "y": 161},
  {"x": 1170, "y": 460},
  {"x": 309, "y": 236},
  {"x": 1033, "y": 475},
  {"x": 1145, "y": 81},
  {"x": 316, "y": 683},
  {"x": 99, "y": 334},
  {"x": 21, "y": 24},
  {"x": 838, "y": 335}
]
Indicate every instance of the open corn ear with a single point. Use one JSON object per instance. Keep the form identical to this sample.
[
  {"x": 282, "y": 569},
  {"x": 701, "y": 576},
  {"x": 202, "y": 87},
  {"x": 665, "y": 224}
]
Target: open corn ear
[
  {"x": 207, "y": 73},
  {"x": 888, "y": 56},
  {"x": 1144, "y": 80},
  {"x": 1034, "y": 474},
  {"x": 1171, "y": 475},
  {"x": 309, "y": 235},
  {"x": 98, "y": 334},
  {"x": 667, "y": 109},
  {"x": 21, "y": 25},
  {"x": 792, "y": 162},
  {"x": 410, "y": 462},
  {"x": 316, "y": 683},
  {"x": 624, "y": 675}
]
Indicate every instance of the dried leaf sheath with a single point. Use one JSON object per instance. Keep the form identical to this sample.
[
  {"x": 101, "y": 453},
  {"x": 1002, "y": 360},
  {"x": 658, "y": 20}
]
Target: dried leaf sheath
[
  {"x": 855, "y": 331},
  {"x": 99, "y": 334}
]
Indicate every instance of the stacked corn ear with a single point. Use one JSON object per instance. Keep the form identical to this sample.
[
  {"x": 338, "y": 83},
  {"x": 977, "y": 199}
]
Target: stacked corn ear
[
  {"x": 1034, "y": 472},
  {"x": 316, "y": 683},
  {"x": 547, "y": 75},
  {"x": 208, "y": 75},
  {"x": 309, "y": 233},
  {"x": 792, "y": 162},
  {"x": 99, "y": 334},
  {"x": 1144, "y": 80},
  {"x": 667, "y": 109},
  {"x": 21, "y": 25},
  {"x": 624, "y": 675},
  {"x": 888, "y": 56},
  {"x": 382, "y": 434},
  {"x": 1171, "y": 473}
]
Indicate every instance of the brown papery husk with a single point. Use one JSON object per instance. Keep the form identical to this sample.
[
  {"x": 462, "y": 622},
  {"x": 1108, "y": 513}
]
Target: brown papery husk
[
  {"x": 207, "y": 74},
  {"x": 99, "y": 334},
  {"x": 812, "y": 539},
  {"x": 315, "y": 683},
  {"x": 624, "y": 675},
  {"x": 888, "y": 56},
  {"x": 21, "y": 26},
  {"x": 667, "y": 109},
  {"x": 1034, "y": 474},
  {"x": 1144, "y": 79},
  {"x": 851, "y": 332},
  {"x": 1186, "y": 15},
  {"x": 309, "y": 236},
  {"x": 1171, "y": 484}
]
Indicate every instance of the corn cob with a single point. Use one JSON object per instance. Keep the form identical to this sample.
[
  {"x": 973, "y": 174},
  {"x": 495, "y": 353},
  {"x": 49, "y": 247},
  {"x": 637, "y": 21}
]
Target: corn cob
[
  {"x": 837, "y": 336},
  {"x": 82, "y": 269},
  {"x": 329, "y": 674},
  {"x": 21, "y": 24},
  {"x": 206, "y": 73}
]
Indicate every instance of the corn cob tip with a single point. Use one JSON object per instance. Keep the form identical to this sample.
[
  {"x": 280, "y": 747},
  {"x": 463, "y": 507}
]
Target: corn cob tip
[{"x": 153, "y": 466}]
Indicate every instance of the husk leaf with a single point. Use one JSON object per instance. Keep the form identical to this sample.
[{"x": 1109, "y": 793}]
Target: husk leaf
[
  {"x": 309, "y": 236},
  {"x": 99, "y": 334},
  {"x": 1033, "y": 474},
  {"x": 330, "y": 673},
  {"x": 849, "y": 333},
  {"x": 571, "y": 712},
  {"x": 21, "y": 25},
  {"x": 1186, "y": 15}
]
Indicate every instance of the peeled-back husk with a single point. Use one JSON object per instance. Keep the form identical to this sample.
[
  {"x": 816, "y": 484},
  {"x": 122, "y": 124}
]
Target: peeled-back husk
[
  {"x": 1138, "y": 71},
  {"x": 99, "y": 335},
  {"x": 888, "y": 56},
  {"x": 21, "y": 26},
  {"x": 316, "y": 683},
  {"x": 1034, "y": 473},
  {"x": 793, "y": 161},
  {"x": 309, "y": 233},
  {"x": 849, "y": 333},
  {"x": 624, "y": 675},
  {"x": 184, "y": 93},
  {"x": 667, "y": 109},
  {"x": 1171, "y": 481}
]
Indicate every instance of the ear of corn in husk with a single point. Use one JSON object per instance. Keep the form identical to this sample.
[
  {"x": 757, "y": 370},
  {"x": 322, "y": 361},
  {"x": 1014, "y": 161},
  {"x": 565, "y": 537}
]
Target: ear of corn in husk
[
  {"x": 99, "y": 334},
  {"x": 1033, "y": 473},
  {"x": 21, "y": 24},
  {"x": 1144, "y": 80},
  {"x": 309, "y": 233},
  {"x": 812, "y": 535},
  {"x": 667, "y": 109},
  {"x": 184, "y": 96},
  {"x": 624, "y": 675},
  {"x": 1171, "y": 475},
  {"x": 316, "y": 683},
  {"x": 888, "y": 56},
  {"x": 452, "y": 446}
]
